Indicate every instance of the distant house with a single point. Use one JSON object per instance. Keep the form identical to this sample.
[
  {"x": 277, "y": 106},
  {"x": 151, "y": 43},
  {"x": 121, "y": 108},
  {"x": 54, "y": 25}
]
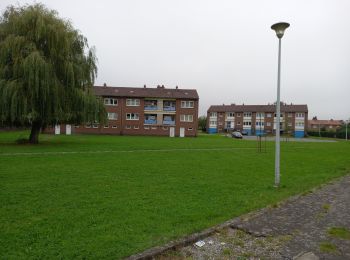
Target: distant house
[
  {"x": 324, "y": 125},
  {"x": 257, "y": 119},
  {"x": 143, "y": 111}
]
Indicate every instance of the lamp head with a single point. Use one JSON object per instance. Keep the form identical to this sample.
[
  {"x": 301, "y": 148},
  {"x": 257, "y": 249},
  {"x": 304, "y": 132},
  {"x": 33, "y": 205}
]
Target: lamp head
[{"x": 280, "y": 28}]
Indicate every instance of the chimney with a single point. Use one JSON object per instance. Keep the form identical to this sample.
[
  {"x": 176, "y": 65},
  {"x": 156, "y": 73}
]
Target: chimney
[
  {"x": 144, "y": 86},
  {"x": 158, "y": 86},
  {"x": 104, "y": 84},
  {"x": 162, "y": 86},
  {"x": 177, "y": 87}
]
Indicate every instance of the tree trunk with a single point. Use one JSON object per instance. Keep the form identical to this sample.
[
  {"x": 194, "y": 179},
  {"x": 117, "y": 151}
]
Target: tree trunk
[{"x": 34, "y": 134}]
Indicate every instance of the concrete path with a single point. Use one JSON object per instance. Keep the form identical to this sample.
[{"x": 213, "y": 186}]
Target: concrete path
[{"x": 313, "y": 226}]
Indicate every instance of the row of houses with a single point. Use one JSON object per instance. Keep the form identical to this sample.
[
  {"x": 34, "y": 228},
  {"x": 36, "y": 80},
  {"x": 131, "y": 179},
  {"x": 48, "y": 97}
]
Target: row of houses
[{"x": 174, "y": 112}]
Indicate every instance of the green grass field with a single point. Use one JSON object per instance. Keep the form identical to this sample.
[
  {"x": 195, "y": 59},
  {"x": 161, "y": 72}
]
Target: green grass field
[{"x": 112, "y": 196}]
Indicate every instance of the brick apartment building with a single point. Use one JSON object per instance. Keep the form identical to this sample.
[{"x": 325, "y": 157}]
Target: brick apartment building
[
  {"x": 326, "y": 125},
  {"x": 144, "y": 111},
  {"x": 257, "y": 119}
]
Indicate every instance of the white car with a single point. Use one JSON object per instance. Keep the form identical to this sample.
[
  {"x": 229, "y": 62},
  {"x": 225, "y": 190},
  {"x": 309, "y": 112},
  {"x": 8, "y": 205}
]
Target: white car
[{"x": 237, "y": 135}]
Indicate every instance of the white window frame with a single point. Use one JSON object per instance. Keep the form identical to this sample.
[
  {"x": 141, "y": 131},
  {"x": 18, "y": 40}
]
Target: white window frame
[
  {"x": 132, "y": 116},
  {"x": 133, "y": 102},
  {"x": 187, "y": 104},
  {"x": 230, "y": 114},
  {"x": 247, "y": 114},
  {"x": 112, "y": 116},
  {"x": 128, "y": 127},
  {"x": 299, "y": 115},
  {"x": 213, "y": 114},
  {"x": 186, "y": 118},
  {"x": 268, "y": 123},
  {"x": 110, "y": 101}
]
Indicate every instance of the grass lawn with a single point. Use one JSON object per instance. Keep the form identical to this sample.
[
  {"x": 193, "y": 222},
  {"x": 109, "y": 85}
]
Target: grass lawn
[{"x": 110, "y": 196}]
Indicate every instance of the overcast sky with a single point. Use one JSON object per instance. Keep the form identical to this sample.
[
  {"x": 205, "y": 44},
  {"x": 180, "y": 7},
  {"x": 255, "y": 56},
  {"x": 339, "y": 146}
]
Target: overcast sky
[{"x": 224, "y": 49}]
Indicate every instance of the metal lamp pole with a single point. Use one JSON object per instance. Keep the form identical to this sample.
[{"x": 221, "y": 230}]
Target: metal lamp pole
[{"x": 279, "y": 28}]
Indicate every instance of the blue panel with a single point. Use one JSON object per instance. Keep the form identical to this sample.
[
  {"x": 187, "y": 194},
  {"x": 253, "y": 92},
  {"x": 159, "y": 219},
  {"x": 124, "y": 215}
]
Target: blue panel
[
  {"x": 212, "y": 130},
  {"x": 299, "y": 134},
  {"x": 259, "y": 132},
  {"x": 247, "y": 131}
]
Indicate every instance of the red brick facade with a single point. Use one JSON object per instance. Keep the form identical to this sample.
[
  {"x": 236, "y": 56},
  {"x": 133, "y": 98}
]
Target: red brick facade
[{"x": 172, "y": 110}]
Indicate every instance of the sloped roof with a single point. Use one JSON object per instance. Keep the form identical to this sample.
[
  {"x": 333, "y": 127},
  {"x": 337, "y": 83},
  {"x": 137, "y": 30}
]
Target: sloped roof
[
  {"x": 257, "y": 108},
  {"x": 159, "y": 92},
  {"x": 326, "y": 122}
]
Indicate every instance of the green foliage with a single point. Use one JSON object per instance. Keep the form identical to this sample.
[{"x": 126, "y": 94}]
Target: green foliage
[
  {"x": 47, "y": 70},
  {"x": 339, "y": 232},
  {"x": 327, "y": 247},
  {"x": 202, "y": 123},
  {"x": 85, "y": 196}
]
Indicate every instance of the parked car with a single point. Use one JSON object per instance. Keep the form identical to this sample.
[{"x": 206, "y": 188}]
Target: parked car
[{"x": 237, "y": 135}]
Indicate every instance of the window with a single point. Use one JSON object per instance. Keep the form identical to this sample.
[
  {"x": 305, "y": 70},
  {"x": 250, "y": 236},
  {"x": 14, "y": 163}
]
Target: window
[
  {"x": 259, "y": 115},
  {"x": 281, "y": 115},
  {"x": 213, "y": 123},
  {"x": 259, "y": 123},
  {"x": 114, "y": 126},
  {"x": 112, "y": 116},
  {"x": 247, "y": 114},
  {"x": 136, "y": 127},
  {"x": 187, "y": 104},
  {"x": 238, "y": 114},
  {"x": 146, "y": 127},
  {"x": 154, "y": 127},
  {"x": 128, "y": 127},
  {"x": 213, "y": 114},
  {"x": 300, "y": 124},
  {"x": 76, "y": 126},
  {"x": 190, "y": 129},
  {"x": 238, "y": 123},
  {"x": 165, "y": 128},
  {"x": 247, "y": 123},
  {"x": 111, "y": 101},
  {"x": 290, "y": 114},
  {"x": 88, "y": 125},
  {"x": 230, "y": 114},
  {"x": 106, "y": 126},
  {"x": 300, "y": 115},
  {"x": 132, "y": 102},
  {"x": 94, "y": 125},
  {"x": 289, "y": 124},
  {"x": 132, "y": 116},
  {"x": 268, "y": 114},
  {"x": 186, "y": 118},
  {"x": 268, "y": 123}
]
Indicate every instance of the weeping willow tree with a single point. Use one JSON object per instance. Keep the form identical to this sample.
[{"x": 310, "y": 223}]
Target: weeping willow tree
[{"x": 47, "y": 71}]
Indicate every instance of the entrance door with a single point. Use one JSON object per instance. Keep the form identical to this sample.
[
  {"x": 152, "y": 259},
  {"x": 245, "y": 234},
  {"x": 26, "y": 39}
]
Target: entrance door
[
  {"x": 182, "y": 132},
  {"x": 172, "y": 131},
  {"x": 57, "y": 129},
  {"x": 68, "y": 129}
]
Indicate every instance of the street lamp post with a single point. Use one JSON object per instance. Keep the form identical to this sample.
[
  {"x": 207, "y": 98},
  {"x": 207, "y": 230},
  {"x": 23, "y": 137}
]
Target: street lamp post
[
  {"x": 279, "y": 28},
  {"x": 346, "y": 129}
]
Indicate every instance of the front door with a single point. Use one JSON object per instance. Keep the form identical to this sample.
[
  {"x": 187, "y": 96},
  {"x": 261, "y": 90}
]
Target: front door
[
  {"x": 68, "y": 129},
  {"x": 172, "y": 131},
  {"x": 182, "y": 132},
  {"x": 57, "y": 129}
]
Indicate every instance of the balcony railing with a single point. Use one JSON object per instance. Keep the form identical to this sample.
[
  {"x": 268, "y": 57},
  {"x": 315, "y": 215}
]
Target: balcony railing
[
  {"x": 151, "y": 108},
  {"x": 168, "y": 122},
  {"x": 169, "y": 108},
  {"x": 150, "y": 122}
]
